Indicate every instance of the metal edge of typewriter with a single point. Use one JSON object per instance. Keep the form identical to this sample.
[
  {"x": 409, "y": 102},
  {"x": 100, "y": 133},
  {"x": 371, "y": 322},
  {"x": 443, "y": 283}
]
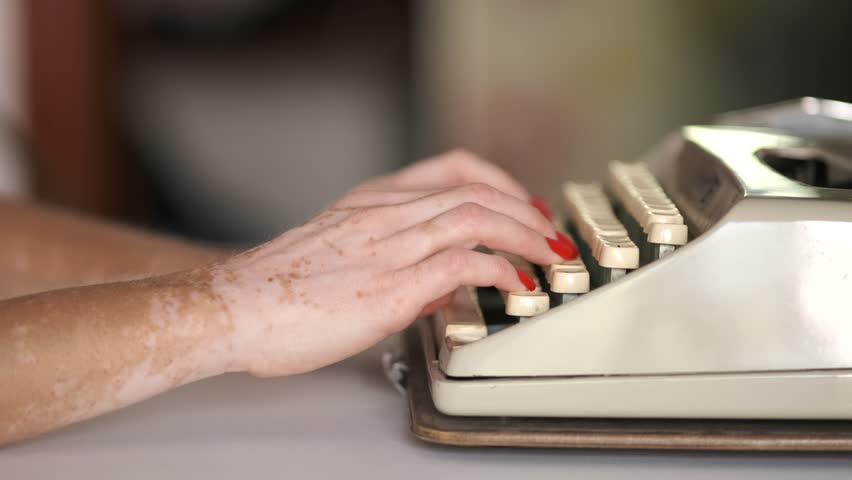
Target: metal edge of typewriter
[
  {"x": 653, "y": 322},
  {"x": 791, "y": 395},
  {"x": 827, "y": 121}
]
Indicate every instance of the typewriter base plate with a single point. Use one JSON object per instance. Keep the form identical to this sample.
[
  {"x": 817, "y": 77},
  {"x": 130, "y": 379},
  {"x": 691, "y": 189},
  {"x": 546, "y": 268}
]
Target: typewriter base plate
[{"x": 428, "y": 424}]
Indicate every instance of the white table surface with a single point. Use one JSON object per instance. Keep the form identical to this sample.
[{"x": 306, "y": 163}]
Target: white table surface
[{"x": 343, "y": 421}]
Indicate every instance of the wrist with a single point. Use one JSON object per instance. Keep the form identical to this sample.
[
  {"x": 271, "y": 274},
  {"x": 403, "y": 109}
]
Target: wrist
[
  {"x": 199, "y": 321},
  {"x": 252, "y": 302}
]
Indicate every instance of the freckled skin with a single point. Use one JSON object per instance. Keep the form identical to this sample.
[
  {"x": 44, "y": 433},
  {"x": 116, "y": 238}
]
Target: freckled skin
[
  {"x": 146, "y": 314},
  {"x": 334, "y": 247},
  {"x": 106, "y": 332},
  {"x": 121, "y": 343}
]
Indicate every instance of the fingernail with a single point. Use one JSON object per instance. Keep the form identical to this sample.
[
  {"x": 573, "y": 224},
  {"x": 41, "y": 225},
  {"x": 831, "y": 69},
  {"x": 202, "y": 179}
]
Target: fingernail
[
  {"x": 526, "y": 280},
  {"x": 565, "y": 250},
  {"x": 541, "y": 205},
  {"x": 568, "y": 243}
]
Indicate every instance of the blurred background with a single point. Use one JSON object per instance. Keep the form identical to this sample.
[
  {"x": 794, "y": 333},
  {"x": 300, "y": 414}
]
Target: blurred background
[{"x": 232, "y": 120}]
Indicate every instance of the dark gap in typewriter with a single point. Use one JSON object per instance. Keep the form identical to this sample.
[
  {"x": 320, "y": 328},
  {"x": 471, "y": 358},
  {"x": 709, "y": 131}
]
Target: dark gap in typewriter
[
  {"x": 635, "y": 232},
  {"x": 595, "y": 272},
  {"x": 555, "y": 298},
  {"x": 491, "y": 304},
  {"x": 809, "y": 167},
  {"x": 494, "y": 309}
]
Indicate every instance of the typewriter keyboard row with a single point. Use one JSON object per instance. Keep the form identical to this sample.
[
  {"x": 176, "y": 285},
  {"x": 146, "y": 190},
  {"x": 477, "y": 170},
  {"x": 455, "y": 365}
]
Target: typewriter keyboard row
[{"x": 617, "y": 228}]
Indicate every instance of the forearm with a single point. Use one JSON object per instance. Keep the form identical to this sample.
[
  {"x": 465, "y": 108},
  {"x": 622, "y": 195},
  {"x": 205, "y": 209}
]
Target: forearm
[
  {"x": 44, "y": 249},
  {"x": 68, "y": 355}
]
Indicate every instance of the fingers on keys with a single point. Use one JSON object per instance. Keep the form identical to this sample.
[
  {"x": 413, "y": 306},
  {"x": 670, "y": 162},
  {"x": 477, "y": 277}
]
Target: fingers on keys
[
  {"x": 529, "y": 302},
  {"x": 422, "y": 209},
  {"x": 467, "y": 226},
  {"x": 449, "y": 269}
]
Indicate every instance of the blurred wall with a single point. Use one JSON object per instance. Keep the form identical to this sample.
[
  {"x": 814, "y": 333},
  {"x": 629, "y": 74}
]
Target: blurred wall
[
  {"x": 10, "y": 61},
  {"x": 13, "y": 175},
  {"x": 246, "y": 146},
  {"x": 553, "y": 90},
  {"x": 253, "y": 116}
]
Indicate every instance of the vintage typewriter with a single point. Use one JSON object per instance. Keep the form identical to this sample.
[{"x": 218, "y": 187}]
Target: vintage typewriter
[{"x": 714, "y": 281}]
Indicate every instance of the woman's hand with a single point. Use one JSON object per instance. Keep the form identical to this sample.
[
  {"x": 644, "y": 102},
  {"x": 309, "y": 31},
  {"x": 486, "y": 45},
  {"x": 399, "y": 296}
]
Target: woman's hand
[
  {"x": 375, "y": 260},
  {"x": 365, "y": 268}
]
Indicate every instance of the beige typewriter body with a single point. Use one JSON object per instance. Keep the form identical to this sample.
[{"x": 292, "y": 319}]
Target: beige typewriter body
[{"x": 749, "y": 318}]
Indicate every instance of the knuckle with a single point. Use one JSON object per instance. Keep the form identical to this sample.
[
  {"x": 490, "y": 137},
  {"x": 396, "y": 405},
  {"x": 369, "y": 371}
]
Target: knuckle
[
  {"x": 455, "y": 260},
  {"x": 481, "y": 192},
  {"x": 461, "y": 155},
  {"x": 470, "y": 213},
  {"x": 467, "y": 219}
]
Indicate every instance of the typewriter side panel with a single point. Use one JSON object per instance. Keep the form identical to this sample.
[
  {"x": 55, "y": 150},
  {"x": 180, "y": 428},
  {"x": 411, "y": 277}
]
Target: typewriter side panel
[
  {"x": 793, "y": 395},
  {"x": 766, "y": 289},
  {"x": 777, "y": 395}
]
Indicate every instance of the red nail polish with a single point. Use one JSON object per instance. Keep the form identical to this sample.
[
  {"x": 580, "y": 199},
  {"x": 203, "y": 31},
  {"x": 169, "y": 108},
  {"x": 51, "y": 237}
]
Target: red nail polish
[
  {"x": 526, "y": 280},
  {"x": 542, "y": 207},
  {"x": 566, "y": 251},
  {"x": 569, "y": 244}
]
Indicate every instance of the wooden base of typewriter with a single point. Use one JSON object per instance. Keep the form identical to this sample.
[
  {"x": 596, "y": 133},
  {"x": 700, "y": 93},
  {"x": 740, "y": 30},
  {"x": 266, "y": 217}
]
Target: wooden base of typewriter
[{"x": 430, "y": 425}]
